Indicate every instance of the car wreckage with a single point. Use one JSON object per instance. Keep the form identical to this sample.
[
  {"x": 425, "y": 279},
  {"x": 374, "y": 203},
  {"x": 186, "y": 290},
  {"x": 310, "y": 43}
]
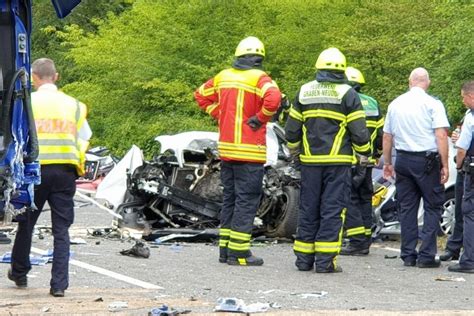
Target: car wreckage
[{"x": 181, "y": 187}]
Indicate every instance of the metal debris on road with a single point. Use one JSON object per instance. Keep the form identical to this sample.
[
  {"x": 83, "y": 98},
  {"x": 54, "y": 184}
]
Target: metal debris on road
[
  {"x": 317, "y": 294},
  {"x": 236, "y": 305}
]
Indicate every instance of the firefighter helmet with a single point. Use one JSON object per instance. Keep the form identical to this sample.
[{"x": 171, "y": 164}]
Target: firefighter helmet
[
  {"x": 331, "y": 59},
  {"x": 250, "y": 46},
  {"x": 354, "y": 75}
]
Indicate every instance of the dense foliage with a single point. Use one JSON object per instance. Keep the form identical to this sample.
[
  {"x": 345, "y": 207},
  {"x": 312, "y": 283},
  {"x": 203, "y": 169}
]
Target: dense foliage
[{"x": 137, "y": 66}]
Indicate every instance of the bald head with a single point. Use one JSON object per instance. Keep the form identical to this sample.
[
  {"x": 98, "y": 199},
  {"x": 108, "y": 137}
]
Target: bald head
[{"x": 419, "y": 77}]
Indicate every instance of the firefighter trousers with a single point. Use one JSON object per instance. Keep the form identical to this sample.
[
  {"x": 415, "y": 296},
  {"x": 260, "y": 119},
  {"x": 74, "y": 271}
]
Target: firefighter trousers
[
  {"x": 324, "y": 197},
  {"x": 359, "y": 219},
  {"x": 242, "y": 183}
]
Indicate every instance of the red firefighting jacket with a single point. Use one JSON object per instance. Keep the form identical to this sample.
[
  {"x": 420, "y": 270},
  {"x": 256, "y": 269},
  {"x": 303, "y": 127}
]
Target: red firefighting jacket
[{"x": 232, "y": 97}]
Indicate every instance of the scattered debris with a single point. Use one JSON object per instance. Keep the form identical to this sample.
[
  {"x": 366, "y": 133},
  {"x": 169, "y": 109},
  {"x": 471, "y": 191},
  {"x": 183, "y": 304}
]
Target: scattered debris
[
  {"x": 117, "y": 306},
  {"x": 449, "y": 278},
  {"x": 235, "y": 305},
  {"x": 138, "y": 250},
  {"x": 45, "y": 309},
  {"x": 34, "y": 260},
  {"x": 99, "y": 299}
]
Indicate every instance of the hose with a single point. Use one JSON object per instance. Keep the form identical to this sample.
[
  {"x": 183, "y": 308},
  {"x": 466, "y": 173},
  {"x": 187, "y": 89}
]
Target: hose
[{"x": 7, "y": 117}]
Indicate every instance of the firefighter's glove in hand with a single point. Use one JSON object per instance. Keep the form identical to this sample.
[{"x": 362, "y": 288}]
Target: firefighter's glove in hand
[
  {"x": 362, "y": 160},
  {"x": 254, "y": 123}
]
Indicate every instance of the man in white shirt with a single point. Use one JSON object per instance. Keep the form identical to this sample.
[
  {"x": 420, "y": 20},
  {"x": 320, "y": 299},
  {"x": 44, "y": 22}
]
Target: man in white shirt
[{"x": 416, "y": 124}]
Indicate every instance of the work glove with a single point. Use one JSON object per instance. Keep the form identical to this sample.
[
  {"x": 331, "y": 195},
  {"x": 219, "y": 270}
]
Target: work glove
[
  {"x": 254, "y": 123},
  {"x": 358, "y": 175}
]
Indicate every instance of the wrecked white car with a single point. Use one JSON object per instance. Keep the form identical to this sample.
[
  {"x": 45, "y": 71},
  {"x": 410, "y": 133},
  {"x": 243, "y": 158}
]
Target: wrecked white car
[{"x": 181, "y": 187}]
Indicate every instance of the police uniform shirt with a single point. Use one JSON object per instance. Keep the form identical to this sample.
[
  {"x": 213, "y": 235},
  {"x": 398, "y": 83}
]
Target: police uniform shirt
[
  {"x": 412, "y": 118},
  {"x": 465, "y": 139}
]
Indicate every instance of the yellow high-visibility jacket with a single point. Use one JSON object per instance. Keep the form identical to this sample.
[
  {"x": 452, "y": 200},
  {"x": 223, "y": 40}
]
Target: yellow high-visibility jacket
[{"x": 58, "y": 119}]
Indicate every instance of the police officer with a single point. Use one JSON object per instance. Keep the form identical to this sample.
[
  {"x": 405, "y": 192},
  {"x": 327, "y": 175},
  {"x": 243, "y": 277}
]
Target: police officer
[
  {"x": 63, "y": 133},
  {"x": 243, "y": 99},
  {"x": 417, "y": 124},
  {"x": 325, "y": 124},
  {"x": 465, "y": 155},
  {"x": 454, "y": 243},
  {"x": 359, "y": 219}
]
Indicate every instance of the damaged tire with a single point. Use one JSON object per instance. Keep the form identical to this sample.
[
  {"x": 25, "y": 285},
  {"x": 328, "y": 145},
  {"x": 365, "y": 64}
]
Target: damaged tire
[{"x": 286, "y": 219}]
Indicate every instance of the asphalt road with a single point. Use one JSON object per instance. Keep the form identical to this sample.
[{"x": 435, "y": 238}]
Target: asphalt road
[{"x": 189, "y": 276}]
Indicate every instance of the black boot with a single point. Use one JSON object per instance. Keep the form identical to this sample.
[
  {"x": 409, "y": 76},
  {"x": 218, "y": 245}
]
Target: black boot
[
  {"x": 327, "y": 266},
  {"x": 222, "y": 254},
  {"x": 248, "y": 259},
  {"x": 304, "y": 262},
  {"x": 449, "y": 255},
  {"x": 351, "y": 250}
]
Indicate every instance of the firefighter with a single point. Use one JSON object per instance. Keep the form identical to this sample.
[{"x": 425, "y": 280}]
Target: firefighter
[
  {"x": 63, "y": 135},
  {"x": 243, "y": 99},
  {"x": 359, "y": 214},
  {"x": 326, "y": 123},
  {"x": 464, "y": 161}
]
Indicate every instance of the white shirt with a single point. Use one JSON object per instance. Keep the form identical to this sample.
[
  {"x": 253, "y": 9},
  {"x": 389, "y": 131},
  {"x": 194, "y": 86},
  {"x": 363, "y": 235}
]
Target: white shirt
[
  {"x": 465, "y": 138},
  {"x": 412, "y": 118}
]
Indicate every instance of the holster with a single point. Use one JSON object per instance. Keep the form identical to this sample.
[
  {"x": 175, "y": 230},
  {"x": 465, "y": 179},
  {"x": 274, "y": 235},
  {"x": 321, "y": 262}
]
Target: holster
[
  {"x": 432, "y": 159},
  {"x": 468, "y": 165}
]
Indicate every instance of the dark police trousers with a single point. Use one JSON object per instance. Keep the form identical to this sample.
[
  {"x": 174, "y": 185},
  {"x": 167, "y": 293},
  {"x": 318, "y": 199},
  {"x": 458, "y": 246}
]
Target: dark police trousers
[
  {"x": 57, "y": 188},
  {"x": 412, "y": 183},
  {"x": 324, "y": 197},
  {"x": 242, "y": 183},
  {"x": 455, "y": 243},
  {"x": 467, "y": 258},
  {"x": 359, "y": 219}
]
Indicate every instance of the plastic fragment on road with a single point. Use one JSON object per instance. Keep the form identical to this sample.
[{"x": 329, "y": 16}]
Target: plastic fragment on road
[
  {"x": 117, "y": 306},
  {"x": 235, "y": 305},
  {"x": 78, "y": 241},
  {"x": 34, "y": 260},
  {"x": 317, "y": 294},
  {"x": 164, "y": 310},
  {"x": 449, "y": 278}
]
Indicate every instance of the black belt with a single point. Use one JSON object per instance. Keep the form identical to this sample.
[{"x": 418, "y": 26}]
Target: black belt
[{"x": 416, "y": 153}]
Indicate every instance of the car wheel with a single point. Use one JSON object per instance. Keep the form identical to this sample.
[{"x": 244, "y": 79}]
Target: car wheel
[
  {"x": 287, "y": 219},
  {"x": 447, "y": 218}
]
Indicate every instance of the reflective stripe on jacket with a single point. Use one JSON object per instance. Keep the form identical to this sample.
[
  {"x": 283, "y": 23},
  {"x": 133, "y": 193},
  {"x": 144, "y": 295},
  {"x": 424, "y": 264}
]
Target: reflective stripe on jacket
[
  {"x": 232, "y": 97},
  {"x": 327, "y": 123},
  {"x": 58, "y": 118},
  {"x": 374, "y": 120}
]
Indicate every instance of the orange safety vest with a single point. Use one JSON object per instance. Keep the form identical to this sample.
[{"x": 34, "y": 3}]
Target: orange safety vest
[{"x": 232, "y": 97}]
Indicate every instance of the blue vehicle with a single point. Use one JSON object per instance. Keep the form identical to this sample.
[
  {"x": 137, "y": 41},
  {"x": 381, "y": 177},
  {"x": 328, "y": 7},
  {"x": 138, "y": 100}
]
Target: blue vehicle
[{"x": 19, "y": 168}]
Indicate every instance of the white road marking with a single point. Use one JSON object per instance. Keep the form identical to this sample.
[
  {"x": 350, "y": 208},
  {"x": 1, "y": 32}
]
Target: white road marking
[
  {"x": 391, "y": 249},
  {"x": 106, "y": 272}
]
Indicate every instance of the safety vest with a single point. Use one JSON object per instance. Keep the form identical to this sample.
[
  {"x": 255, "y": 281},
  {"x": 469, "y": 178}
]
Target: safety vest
[
  {"x": 232, "y": 97},
  {"x": 58, "y": 118},
  {"x": 319, "y": 122}
]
